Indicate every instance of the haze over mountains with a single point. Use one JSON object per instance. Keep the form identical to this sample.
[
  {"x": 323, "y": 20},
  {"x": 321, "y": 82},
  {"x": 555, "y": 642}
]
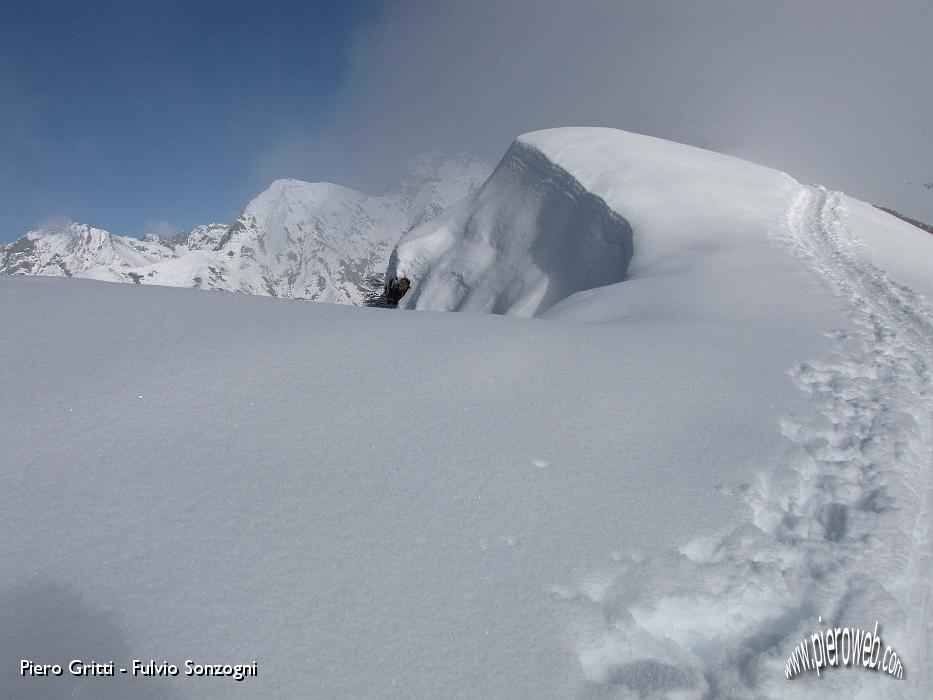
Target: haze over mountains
[{"x": 296, "y": 239}]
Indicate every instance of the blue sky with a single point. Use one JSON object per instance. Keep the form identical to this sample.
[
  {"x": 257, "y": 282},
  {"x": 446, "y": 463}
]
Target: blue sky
[
  {"x": 142, "y": 115},
  {"x": 132, "y": 115}
]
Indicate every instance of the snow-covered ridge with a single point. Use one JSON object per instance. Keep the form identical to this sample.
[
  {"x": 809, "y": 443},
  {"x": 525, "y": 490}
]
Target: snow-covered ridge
[
  {"x": 567, "y": 209},
  {"x": 73, "y": 249},
  {"x": 529, "y": 237},
  {"x": 658, "y": 506},
  {"x": 296, "y": 239}
]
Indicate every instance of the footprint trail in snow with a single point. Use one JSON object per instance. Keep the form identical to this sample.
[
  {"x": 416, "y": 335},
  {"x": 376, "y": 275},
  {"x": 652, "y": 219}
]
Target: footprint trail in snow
[{"x": 843, "y": 533}]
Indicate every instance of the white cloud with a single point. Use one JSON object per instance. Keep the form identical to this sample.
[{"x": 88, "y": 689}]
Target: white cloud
[
  {"x": 53, "y": 222},
  {"x": 161, "y": 228},
  {"x": 835, "y": 92}
]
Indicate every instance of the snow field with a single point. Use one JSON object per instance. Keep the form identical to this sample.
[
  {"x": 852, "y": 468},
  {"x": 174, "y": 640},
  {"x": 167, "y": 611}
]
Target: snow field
[{"x": 718, "y": 432}]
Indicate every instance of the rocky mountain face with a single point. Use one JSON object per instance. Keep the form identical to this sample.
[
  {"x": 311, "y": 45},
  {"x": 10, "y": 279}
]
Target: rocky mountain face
[
  {"x": 296, "y": 239},
  {"x": 913, "y": 222}
]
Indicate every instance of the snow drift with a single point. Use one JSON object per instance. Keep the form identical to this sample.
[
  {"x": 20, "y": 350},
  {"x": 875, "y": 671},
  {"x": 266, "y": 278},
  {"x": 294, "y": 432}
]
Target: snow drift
[
  {"x": 659, "y": 505},
  {"x": 566, "y": 209}
]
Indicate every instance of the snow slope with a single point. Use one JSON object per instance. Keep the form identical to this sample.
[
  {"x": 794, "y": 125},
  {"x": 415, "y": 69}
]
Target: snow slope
[
  {"x": 558, "y": 215},
  {"x": 296, "y": 239},
  {"x": 602, "y": 225},
  {"x": 658, "y": 504}
]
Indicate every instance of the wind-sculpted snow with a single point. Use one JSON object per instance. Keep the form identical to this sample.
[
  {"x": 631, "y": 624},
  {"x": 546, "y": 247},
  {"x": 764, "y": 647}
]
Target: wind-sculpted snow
[
  {"x": 733, "y": 450},
  {"x": 839, "y": 529},
  {"x": 531, "y": 236},
  {"x": 573, "y": 210}
]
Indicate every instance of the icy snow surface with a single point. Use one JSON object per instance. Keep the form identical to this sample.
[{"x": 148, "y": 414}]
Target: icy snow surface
[{"x": 383, "y": 504}]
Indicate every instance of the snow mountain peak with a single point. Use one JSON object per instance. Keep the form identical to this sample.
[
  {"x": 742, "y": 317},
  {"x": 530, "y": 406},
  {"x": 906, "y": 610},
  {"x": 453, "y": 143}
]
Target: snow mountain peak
[{"x": 310, "y": 240}]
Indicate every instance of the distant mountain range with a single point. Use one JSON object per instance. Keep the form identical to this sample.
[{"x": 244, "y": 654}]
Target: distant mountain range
[
  {"x": 296, "y": 239},
  {"x": 913, "y": 222}
]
